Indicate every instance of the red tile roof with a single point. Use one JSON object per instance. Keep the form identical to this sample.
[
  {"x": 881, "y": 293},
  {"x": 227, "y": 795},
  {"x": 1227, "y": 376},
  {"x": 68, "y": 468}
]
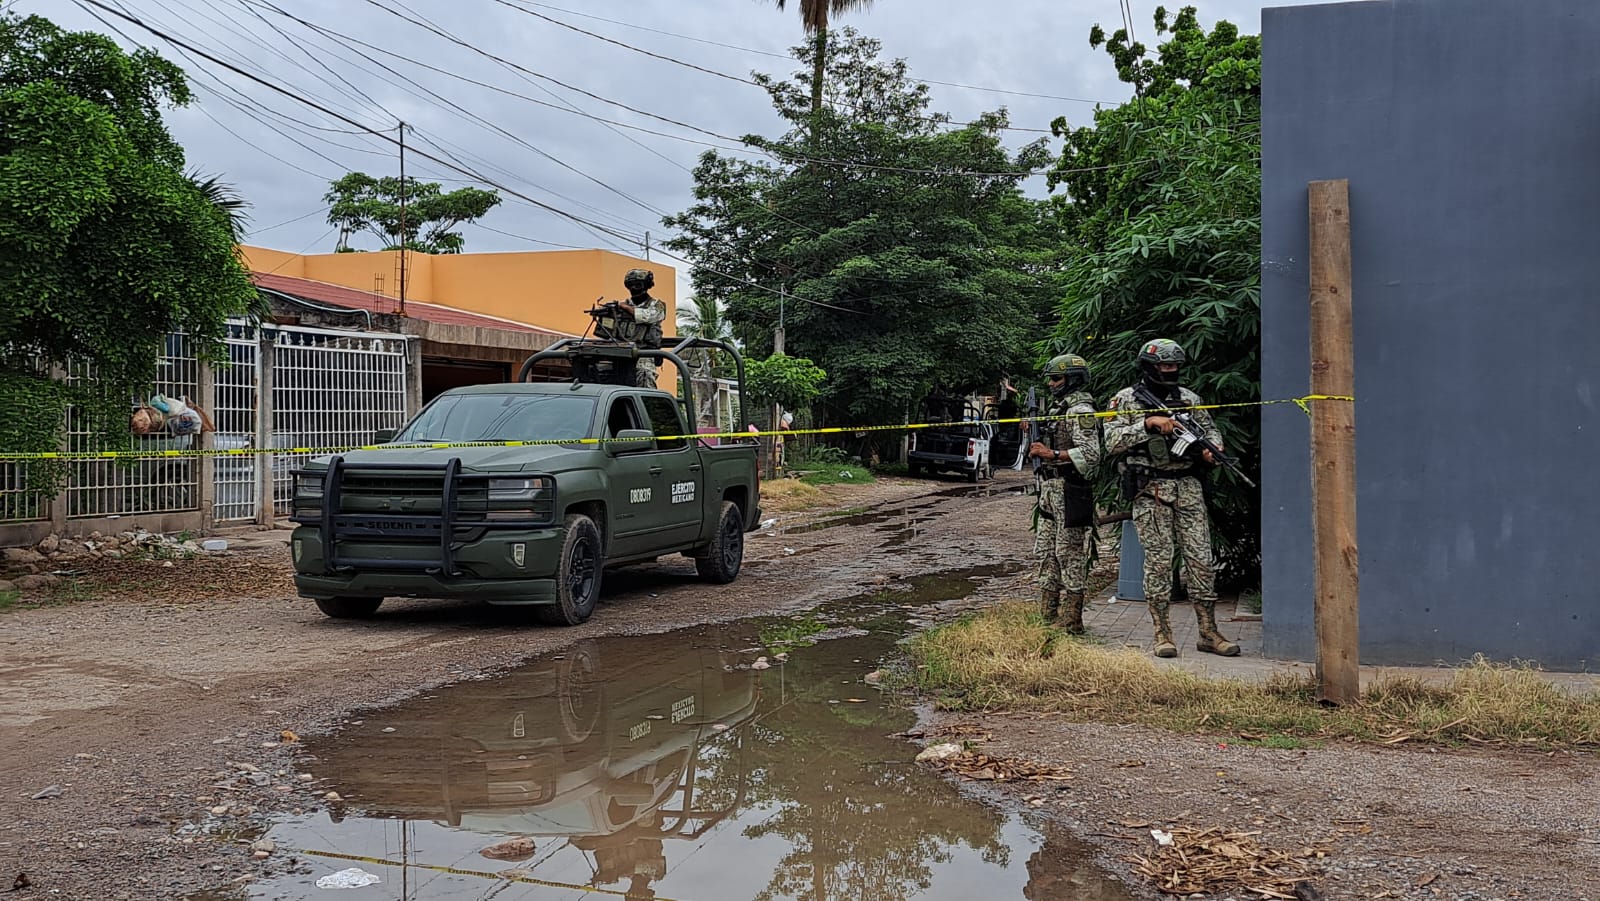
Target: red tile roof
[{"x": 350, "y": 298}]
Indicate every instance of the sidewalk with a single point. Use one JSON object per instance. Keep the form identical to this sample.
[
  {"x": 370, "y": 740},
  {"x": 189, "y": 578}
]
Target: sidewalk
[{"x": 1127, "y": 624}]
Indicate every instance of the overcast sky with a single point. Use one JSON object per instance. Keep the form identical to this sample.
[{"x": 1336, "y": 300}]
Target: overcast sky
[{"x": 281, "y": 154}]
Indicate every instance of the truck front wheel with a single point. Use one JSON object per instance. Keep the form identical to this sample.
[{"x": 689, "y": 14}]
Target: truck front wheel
[
  {"x": 578, "y": 578},
  {"x": 725, "y": 555},
  {"x": 349, "y": 608}
]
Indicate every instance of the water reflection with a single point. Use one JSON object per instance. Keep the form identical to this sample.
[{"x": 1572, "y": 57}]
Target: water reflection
[{"x": 657, "y": 767}]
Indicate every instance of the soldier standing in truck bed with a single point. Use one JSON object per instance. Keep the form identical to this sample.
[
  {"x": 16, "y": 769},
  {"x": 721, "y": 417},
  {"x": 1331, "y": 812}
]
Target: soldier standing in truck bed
[{"x": 647, "y": 313}]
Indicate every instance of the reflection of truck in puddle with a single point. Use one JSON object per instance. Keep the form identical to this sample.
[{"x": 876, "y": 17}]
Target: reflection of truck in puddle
[{"x": 603, "y": 752}]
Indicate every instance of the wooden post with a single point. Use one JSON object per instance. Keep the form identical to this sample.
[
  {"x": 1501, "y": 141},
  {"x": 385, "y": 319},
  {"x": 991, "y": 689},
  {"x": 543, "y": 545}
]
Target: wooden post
[{"x": 1333, "y": 447}]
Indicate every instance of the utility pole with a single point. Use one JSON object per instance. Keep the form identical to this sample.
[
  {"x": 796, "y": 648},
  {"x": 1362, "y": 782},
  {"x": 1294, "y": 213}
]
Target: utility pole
[
  {"x": 403, "y": 241},
  {"x": 647, "y": 247},
  {"x": 772, "y": 446}
]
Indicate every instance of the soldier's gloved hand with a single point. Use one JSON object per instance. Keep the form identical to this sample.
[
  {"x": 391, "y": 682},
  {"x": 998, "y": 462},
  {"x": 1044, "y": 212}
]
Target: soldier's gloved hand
[
  {"x": 1037, "y": 449},
  {"x": 1162, "y": 424}
]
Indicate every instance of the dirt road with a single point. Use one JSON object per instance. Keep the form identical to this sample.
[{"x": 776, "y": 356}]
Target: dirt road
[{"x": 149, "y": 706}]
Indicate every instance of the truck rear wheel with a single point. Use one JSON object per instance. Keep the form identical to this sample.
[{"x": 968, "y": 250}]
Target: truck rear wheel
[
  {"x": 725, "y": 555},
  {"x": 578, "y": 577},
  {"x": 349, "y": 608}
]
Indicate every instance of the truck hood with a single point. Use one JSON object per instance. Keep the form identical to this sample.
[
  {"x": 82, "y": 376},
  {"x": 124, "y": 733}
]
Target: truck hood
[{"x": 543, "y": 458}]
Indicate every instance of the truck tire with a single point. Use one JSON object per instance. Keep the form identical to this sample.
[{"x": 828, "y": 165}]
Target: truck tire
[
  {"x": 349, "y": 608},
  {"x": 725, "y": 555},
  {"x": 577, "y": 576},
  {"x": 976, "y": 472},
  {"x": 913, "y": 468}
]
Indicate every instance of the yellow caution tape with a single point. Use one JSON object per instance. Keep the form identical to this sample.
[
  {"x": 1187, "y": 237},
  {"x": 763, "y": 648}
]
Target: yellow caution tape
[{"x": 1302, "y": 402}]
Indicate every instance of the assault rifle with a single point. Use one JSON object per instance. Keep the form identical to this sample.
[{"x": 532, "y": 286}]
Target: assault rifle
[
  {"x": 1033, "y": 431},
  {"x": 1185, "y": 431}
]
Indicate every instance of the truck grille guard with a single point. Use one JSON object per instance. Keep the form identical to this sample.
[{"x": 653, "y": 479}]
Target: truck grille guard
[{"x": 338, "y": 526}]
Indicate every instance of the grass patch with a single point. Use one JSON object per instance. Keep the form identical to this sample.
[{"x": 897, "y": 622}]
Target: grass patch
[
  {"x": 795, "y": 633},
  {"x": 1250, "y": 602},
  {"x": 1007, "y": 657},
  {"x": 839, "y": 473},
  {"x": 9, "y": 599},
  {"x": 790, "y": 496}
]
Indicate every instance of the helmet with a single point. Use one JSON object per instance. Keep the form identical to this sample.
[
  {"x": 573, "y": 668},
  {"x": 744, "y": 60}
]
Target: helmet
[
  {"x": 1157, "y": 351},
  {"x": 1073, "y": 371},
  {"x": 636, "y": 276}
]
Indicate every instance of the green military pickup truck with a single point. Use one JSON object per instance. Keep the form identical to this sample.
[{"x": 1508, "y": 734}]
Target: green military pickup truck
[{"x": 528, "y": 525}]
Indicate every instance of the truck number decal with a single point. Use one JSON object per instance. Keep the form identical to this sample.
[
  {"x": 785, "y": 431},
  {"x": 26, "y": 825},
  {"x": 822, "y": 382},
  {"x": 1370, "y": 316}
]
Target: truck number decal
[
  {"x": 638, "y": 495},
  {"x": 682, "y": 709},
  {"x": 639, "y": 731},
  {"x": 682, "y": 492}
]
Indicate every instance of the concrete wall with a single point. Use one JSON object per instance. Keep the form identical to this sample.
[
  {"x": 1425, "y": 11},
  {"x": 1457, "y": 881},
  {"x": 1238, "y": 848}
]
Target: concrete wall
[{"x": 1470, "y": 133}]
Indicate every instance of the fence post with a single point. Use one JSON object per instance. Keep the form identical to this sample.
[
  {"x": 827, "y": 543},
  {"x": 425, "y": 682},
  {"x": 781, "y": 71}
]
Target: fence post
[
  {"x": 206, "y": 480},
  {"x": 1333, "y": 447},
  {"x": 266, "y": 353},
  {"x": 413, "y": 379},
  {"x": 60, "y": 504}
]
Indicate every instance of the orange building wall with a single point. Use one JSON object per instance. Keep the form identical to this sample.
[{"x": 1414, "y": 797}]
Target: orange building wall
[{"x": 546, "y": 288}]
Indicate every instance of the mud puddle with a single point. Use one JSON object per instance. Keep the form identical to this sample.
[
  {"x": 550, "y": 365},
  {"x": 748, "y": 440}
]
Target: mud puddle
[{"x": 696, "y": 764}]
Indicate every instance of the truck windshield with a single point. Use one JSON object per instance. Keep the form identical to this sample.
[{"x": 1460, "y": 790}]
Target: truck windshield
[{"x": 502, "y": 417}]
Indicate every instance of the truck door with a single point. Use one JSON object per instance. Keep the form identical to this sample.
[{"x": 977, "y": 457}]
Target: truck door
[
  {"x": 633, "y": 487},
  {"x": 675, "y": 465}
]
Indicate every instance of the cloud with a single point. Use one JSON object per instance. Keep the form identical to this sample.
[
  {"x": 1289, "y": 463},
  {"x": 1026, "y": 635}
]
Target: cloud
[{"x": 280, "y": 154}]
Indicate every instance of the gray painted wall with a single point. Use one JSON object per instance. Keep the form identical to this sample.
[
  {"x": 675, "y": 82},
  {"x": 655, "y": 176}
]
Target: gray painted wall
[{"x": 1470, "y": 133}]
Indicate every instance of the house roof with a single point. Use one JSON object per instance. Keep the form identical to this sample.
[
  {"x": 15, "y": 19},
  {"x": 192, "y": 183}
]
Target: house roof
[{"x": 350, "y": 298}]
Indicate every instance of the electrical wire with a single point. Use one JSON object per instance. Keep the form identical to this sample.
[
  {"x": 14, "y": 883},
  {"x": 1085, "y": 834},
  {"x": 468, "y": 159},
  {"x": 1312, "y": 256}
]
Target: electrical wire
[
  {"x": 179, "y": 42},
  {"x": 785, "y": 56}
]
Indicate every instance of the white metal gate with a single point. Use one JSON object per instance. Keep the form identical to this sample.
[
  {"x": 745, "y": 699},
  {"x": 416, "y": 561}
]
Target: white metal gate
[
  {"x": 125, "y": 487},
  {"x": 237, "y": 384},
  {"x": 331, "y": 389}
]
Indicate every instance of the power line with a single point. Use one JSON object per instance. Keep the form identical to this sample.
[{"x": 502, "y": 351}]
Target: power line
[
  {"x": 784, "y": 56},
  {"x": 178, "y": 42},
  {"x": 679, "y": 62},
  {"x": 258, "y": 231}
]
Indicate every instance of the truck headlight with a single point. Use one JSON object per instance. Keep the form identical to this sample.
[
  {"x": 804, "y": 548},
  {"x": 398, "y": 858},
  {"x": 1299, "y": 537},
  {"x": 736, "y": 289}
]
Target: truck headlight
[
  {"x": 526, "y": 498},
  {"x": 307, "y": 497}
]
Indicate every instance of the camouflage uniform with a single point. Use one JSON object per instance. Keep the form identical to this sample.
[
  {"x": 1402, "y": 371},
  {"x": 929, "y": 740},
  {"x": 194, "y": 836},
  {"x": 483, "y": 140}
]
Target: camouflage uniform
[
  {"x": 1062, "y": 550},
  {"x": 1169, "y": 513},
  {"x": 648, "y": 314}
]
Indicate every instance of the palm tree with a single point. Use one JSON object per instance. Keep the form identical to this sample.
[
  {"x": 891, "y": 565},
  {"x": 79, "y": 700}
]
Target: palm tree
[
  {"x": 814, "y": 15},
  {"x": 225, "y": 199},
  {"x": 703, "y": 318}
]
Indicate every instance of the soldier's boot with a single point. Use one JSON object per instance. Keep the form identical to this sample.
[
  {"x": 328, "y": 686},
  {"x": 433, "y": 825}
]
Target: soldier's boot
[
  {"x": 1164, "y": 644},
  {"x": 1211, "y": 641},
  {"x": 1049, "y": 604},
  {"x": 1072, "y": 612}
]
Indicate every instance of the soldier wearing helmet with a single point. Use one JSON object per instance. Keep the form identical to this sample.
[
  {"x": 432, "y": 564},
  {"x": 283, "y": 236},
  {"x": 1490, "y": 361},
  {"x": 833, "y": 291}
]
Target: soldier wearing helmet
[
  {"x": 1169, "y": 508},
  {"x": 1069, "y": 451},
  {"x": 647, "y": 314}
]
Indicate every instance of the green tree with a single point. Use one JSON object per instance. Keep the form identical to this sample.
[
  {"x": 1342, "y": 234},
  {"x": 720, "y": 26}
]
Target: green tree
[
  {"x": 814, "y": 15},
  {"x": 1164, "y": 236},
  {"x": 790, "y": 382},
  {"x": 106, "y": 246},
  {"x": 895, "y": 250},
  {"x": 359, "y": 202}
]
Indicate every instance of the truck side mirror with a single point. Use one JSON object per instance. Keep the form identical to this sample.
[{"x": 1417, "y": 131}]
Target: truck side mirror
[
  {"x": 629, "y": 441},
  {"x": 384, "y": 436}
]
